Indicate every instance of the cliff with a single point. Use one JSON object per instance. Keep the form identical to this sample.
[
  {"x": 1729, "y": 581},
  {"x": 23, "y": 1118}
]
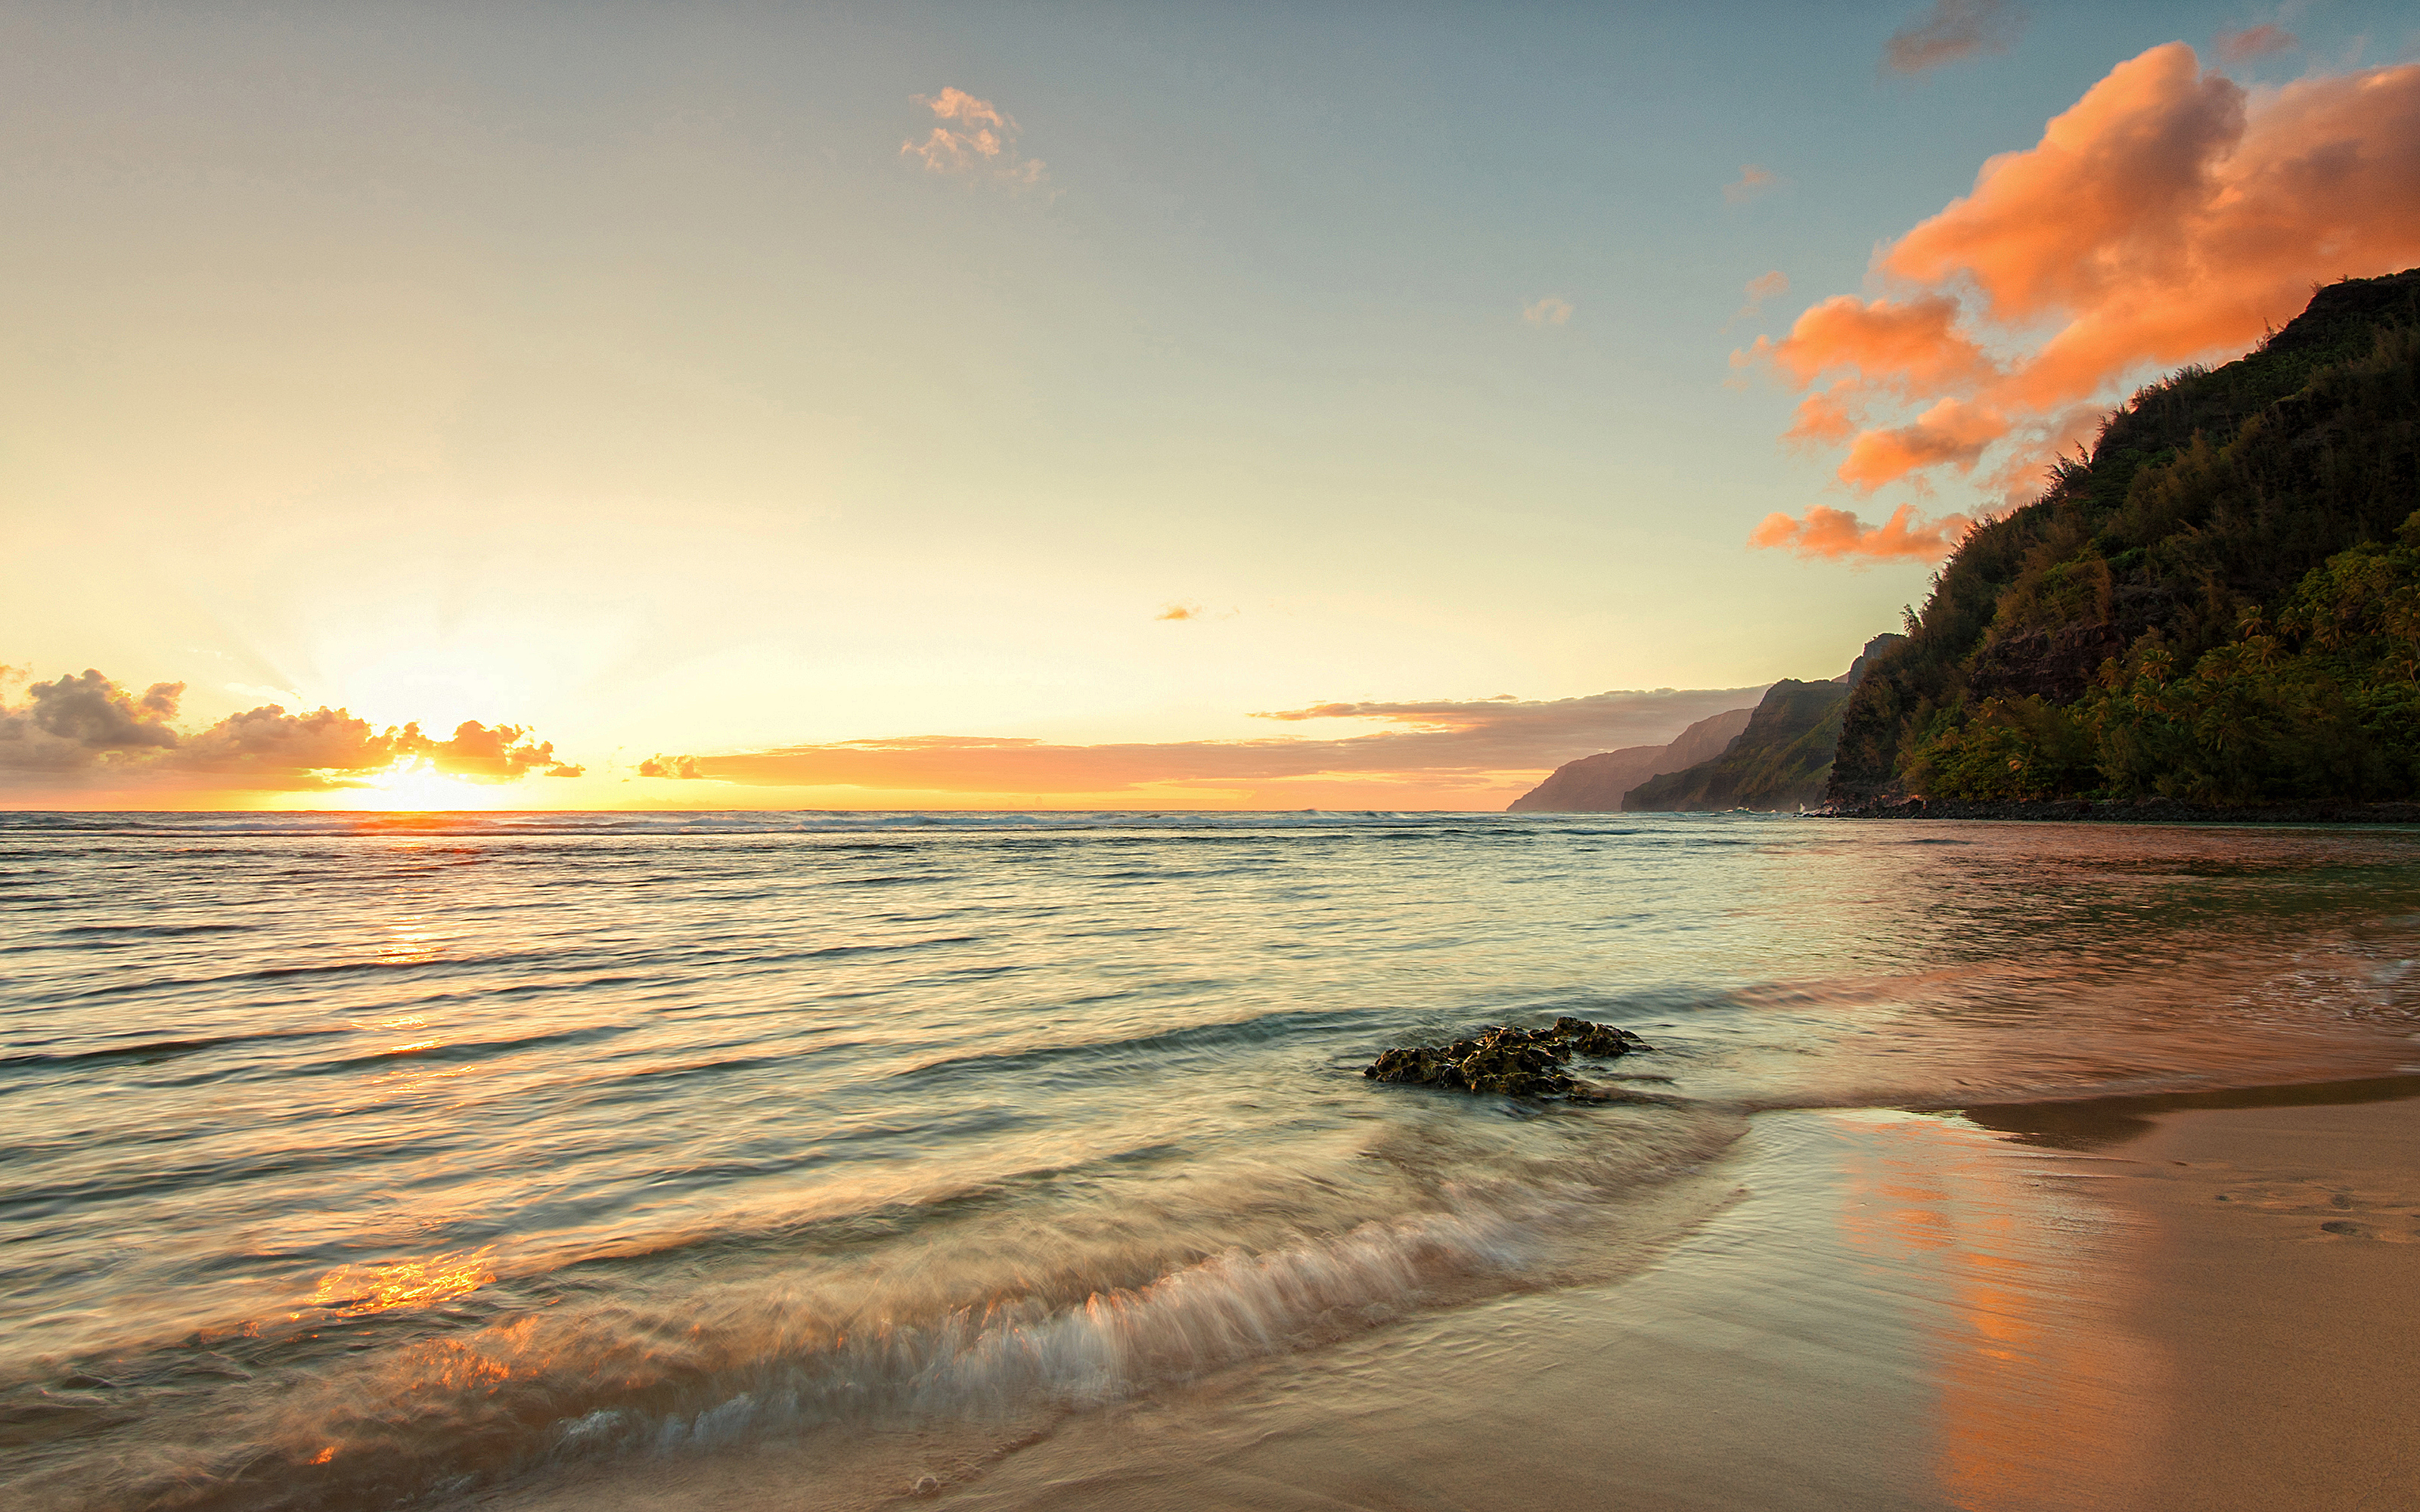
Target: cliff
[
  {"x": 1781, "y": 759},
  {"x": 1594, "y": 784},
  {"x": 2219, "y": 605},
  {"x": 1705, "y": 740}
]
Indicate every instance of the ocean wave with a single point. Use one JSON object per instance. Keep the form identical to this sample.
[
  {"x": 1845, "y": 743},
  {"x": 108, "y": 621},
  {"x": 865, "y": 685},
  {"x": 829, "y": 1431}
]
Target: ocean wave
[
  {"x": 1193, "y": 1041},
  {"x": 1035, "y": 822},
  {"x": 648, "y": 1127},
  {"x": 156, "y": 1049},
  {"x": 975, "y": 1311},
  {"x": 152, "y": 932}
]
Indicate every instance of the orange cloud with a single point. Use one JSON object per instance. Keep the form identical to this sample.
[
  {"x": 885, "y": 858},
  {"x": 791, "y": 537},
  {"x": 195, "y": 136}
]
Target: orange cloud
[
  {"x": 2023, "y": 469},
  {"x": 2254, "y": 41},
  {"x": 1752, "y": 181},
  {"x": 1180, "y": 611},
  {"x": 86, "y": 730},
  {"x": 1549, "y": 311},
  {"x": 1913, "y": 345},
  {"x": 1835, "y": 533},
  {"x": 1456, "y": 753},
  {"x": 1953, "y": 433},
  {"x": 1952, "y": 32},
  {"x": 2168, "y": 216},
  {"x": 1826, "y": 415},
  {"x": 1764, "y": 286},
  {"x": 973, "y": 137},
  {"x": 497, "y": 755}
]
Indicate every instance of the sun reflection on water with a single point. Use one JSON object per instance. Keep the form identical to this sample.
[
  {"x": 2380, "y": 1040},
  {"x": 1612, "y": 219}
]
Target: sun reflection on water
[
  {"x": 351, "y": 1290},
  {"x": 2038, "y": 1388},
  {"x": 410, "y": 943}
]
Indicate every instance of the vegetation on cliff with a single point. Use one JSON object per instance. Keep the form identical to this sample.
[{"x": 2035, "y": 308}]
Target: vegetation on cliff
[
  {"x": 1596, "y": 784},
  {"x": 1783, "y": 759},
  {"x": 2221, "y": 604}
]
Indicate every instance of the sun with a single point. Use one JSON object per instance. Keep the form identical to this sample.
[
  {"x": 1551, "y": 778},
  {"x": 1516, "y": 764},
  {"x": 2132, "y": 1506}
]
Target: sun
[{"x": 412, "y": 784}]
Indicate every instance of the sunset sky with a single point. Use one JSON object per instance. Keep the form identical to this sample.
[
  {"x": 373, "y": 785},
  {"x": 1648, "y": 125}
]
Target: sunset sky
[{"x": 752, "y": 406}]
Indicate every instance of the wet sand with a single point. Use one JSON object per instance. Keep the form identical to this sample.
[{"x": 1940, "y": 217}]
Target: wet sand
[
  {"x": 2054, "y": 1309},
  {"x": 2284, "y": 1293},
  {"x": 2187, "y": 1302}
]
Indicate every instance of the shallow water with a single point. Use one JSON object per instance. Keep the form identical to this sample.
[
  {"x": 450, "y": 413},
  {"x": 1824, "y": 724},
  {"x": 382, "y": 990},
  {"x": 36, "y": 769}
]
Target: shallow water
[{"x": 349, "y": 1161}]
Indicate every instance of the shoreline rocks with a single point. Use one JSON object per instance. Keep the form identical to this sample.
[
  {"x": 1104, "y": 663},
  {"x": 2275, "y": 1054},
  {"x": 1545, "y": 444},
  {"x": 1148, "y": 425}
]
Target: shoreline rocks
[
  {"x": 1508, "y": 1061},
  {"x": 2154, "y": 810}
]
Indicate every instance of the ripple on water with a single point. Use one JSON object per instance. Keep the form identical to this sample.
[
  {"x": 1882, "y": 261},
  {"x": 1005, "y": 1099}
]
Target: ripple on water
[{"x": 349, "y": 1155}]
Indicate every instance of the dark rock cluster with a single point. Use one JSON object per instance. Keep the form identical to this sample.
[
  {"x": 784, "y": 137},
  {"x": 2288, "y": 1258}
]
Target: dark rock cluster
[
  {"x": 2142, "y": 810},
  {"x": 1506, "y": 1060}
]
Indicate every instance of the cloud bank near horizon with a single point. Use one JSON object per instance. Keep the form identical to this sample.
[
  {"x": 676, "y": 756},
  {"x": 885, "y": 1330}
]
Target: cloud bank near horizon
[
  {"x": 2170, "y": 215},
  {"x": 84, "y": 732},
  {"x": 1438, "y": 749},
  {"x": 78, "y": 737}
]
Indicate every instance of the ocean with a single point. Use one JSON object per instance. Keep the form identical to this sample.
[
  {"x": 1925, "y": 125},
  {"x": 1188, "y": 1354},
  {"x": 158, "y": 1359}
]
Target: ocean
[{"x": 354, "y": 1160}]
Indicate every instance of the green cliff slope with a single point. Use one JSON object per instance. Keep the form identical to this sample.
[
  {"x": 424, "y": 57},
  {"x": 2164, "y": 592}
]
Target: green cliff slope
[
  {"x": 1783, "y": 759},
  {"x": 1596, "y": 784},
  {"x": 2222, "y": 604}
]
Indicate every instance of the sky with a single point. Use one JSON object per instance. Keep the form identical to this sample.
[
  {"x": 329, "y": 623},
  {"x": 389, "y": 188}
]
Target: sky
[{"x": 540, "y": 405}]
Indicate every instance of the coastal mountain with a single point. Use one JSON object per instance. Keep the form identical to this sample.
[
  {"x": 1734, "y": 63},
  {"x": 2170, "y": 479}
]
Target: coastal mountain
[
  {"x": 1874, "y": 648},
  {"x": 1777, "y": 755},
  {"x": 1596, "y": 784},
  {"x": 2220, "y": 604},
  {"x": 1782, "y": 760}
]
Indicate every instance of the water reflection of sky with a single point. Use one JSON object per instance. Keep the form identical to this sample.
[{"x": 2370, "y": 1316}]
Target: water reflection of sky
[{"x": 417, "y": 1086}]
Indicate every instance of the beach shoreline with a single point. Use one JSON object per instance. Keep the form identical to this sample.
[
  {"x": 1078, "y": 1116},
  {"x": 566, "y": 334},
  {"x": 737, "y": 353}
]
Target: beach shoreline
[
  {"x": 1034, "y": 1165},
  {"x": 2194, "y": 1300},
  {"x": 2042, "y": 1305}
]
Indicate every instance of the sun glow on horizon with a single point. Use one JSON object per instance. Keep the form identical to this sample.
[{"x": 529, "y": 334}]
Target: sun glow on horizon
[{"x": 411, "y": 785}]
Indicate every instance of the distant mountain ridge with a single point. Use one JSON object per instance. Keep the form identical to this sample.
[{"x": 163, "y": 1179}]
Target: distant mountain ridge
[
  {"x": 1596, "y": 784},
  {"x": 1777, "y": 755},
  {"x": 1782, "y": 760},
  {"x": 2220, "y": 605}
]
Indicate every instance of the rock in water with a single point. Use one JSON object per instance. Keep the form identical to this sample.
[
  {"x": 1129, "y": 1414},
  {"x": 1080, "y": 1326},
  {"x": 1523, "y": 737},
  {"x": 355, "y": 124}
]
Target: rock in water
[
  {"x": 1505, "y": 1060},
  {"x": 1421, "y": 1066},
  {"x": 1597, "y": 1039}
]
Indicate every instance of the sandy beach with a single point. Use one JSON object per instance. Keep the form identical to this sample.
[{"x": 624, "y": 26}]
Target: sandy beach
[
  {"x": 2194, "y": 1301},
  {"x": 2278, "y": 1289}
]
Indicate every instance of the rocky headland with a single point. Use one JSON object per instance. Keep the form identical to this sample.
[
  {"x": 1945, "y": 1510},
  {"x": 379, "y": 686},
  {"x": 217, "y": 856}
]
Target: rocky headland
[
  {"x": 1782, "y": 760},
  {"x": 2154, "y": 810},
  {"x": 1596, "y": 784},
  {"x": 2218, "y": 606},
  {"x": 1776, "y": 755}
]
